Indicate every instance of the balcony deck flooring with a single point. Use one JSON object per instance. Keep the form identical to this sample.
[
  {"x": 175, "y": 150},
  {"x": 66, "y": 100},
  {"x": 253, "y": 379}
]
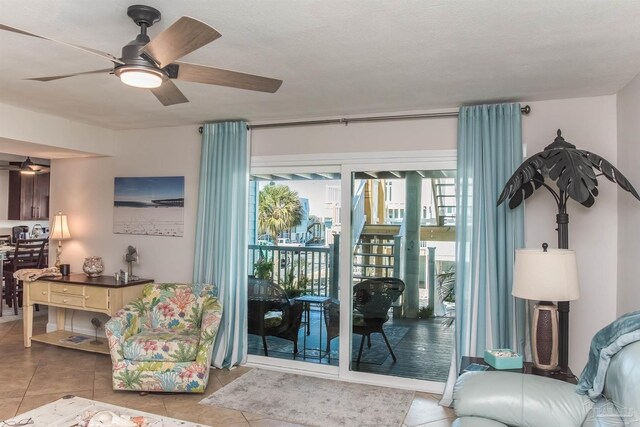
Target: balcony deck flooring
[{"x": 423, "y": 348}]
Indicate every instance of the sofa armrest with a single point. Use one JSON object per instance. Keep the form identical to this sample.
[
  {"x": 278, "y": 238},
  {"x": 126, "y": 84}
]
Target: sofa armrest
[
  {"x": 519, "y": 400},
  {"x": 126, "y": 323},
  {"x": 211, "y": 316}
]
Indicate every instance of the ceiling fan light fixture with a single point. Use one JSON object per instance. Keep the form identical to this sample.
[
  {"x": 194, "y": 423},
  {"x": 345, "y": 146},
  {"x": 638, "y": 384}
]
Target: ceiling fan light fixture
[
  {"x": 142, "y": 77},
  {"x": 25, "y": 167}
]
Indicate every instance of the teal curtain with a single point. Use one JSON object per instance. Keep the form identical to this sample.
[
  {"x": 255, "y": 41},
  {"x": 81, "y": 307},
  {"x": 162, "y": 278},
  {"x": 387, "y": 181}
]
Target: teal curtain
[
  {"x": 221, "y": 233},
  {"x": 489, "y": 151},
  {"x": 487, "y": 315}
]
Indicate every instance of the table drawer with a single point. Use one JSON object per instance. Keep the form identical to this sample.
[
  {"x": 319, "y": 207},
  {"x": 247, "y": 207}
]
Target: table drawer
[
  {"x": 67, "y": 289},
  {"x": 68, "y": 300},
  {"x": 97, "y": 298},
  {"x": 39, "y": 292}
]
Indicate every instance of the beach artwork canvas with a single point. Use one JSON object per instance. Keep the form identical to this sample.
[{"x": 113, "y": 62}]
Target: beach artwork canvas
[{"x": 151, "y": 206}]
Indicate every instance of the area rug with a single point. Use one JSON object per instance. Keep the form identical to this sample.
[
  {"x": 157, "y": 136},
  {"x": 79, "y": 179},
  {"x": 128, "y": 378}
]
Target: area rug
[
  {"x": 313, "y": 401},
  {"x": 8, "y": 316}
]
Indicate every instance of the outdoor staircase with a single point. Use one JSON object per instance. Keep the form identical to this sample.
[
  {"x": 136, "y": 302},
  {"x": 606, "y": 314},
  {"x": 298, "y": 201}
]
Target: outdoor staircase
[
  {"x": 444, "y": 194},
  {"x": 315, "y": 233},
  {"x": 374, "y": 256}
]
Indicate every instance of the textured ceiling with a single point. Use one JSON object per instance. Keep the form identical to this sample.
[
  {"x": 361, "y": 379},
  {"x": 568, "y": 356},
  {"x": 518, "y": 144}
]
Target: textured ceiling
[{"x": 336, "y": 57}]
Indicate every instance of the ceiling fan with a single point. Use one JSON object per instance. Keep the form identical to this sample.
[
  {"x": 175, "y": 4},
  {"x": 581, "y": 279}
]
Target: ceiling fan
[
  {"x": 25, "y": 167},
  {"x": 152, "y": 64}
]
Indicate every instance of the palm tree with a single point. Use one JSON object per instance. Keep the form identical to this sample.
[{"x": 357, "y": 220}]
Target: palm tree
[{"x": 279, "y": 209}]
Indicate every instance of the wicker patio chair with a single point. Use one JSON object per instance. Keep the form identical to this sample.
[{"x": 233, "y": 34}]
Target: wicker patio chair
[
  {"x": 271, "y": 313},
  {"x": 372, "y": 300}
]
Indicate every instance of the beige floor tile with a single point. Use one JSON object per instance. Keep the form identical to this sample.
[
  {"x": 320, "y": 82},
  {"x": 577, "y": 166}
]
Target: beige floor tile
[
  {"x": 424, "y": 409},
  {"x": 103, "y": 361},
  {"x": 102, "y": 380},
  {"x": 9, "y": 407},
  {"x": 151, "y": 403},
  {"x": 227, "y": 376},
  {"x": 35, "y": 401},
  {"x": 59, "y": 380},
  {"x": 16, "y": 384},
  {"x": 61, "y": 358}
]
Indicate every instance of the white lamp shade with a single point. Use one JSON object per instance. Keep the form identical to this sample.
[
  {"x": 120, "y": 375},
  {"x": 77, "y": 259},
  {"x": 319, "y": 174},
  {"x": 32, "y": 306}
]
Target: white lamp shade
[
  {"x": 546, "y": 276},
  {"x": 59, "y": 228}
]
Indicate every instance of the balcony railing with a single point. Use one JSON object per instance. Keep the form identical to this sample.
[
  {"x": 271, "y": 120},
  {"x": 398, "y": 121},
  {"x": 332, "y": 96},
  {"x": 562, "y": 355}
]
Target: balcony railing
[{"x": 310, "y": 270}]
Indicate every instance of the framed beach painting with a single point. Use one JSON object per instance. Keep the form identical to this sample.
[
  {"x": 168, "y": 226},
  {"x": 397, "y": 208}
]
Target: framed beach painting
[{"x": 152, "y": 206}]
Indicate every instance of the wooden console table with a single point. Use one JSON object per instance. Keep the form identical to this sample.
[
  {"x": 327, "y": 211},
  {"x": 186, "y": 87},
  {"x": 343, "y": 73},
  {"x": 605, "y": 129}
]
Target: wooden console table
[{"x": 78, "y": 292}]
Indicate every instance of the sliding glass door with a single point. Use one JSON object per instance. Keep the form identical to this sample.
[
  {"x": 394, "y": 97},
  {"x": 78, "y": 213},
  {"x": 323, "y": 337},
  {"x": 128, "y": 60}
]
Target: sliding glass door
[
  {"x": 402, "y": 258},
  {"x": 294, "y": 229},
  {"x": 350, "y": 267}
]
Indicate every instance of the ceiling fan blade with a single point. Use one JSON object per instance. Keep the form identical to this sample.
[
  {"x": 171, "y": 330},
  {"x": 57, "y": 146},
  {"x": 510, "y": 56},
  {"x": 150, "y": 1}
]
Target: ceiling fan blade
[
  {"x": 86, "y": 49},
  {"x": 217, "y": 76},
  {"x": 169, "y": 94},
  {"x": 182, "y": 37},
  {"x": 48, "y": 79}
]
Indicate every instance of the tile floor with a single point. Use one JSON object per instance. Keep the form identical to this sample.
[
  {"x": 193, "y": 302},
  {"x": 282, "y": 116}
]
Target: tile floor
[{"x": 32, "y": 377}]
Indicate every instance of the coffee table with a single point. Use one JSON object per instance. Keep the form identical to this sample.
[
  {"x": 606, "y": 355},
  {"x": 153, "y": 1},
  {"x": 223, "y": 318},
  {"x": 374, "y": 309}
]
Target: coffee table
[{"x": 64, "y": 413}]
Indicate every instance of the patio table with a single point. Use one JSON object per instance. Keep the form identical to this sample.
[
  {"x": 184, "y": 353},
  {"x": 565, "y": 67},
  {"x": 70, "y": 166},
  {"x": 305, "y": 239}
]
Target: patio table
[{"x": 321, "y": 302}]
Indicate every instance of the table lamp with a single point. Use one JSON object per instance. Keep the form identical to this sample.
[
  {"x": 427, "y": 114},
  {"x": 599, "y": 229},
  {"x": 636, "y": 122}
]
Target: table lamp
[
  {"x": 59, "y": 232},
  {"x": 545, "y": 275}
]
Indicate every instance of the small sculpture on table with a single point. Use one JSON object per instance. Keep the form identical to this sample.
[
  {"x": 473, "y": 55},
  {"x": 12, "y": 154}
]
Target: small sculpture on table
[
  {"x": 96, "y": 324},
  {"x": 130, "y": 257}
]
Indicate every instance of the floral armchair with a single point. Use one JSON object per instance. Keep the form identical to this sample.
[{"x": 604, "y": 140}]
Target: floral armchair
[{"x": 163, "y": 340}]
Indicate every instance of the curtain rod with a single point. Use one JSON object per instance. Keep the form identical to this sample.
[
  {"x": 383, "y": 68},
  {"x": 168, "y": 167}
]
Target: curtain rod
[{"x": 524, "y": 110}]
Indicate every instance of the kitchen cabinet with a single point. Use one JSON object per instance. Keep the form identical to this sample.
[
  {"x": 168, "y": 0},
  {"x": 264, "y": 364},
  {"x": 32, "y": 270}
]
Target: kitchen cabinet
[{"x": 28, "y": 196}]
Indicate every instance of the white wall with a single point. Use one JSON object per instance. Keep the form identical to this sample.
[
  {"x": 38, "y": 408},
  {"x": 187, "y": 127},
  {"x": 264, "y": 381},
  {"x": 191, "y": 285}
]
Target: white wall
[
  {"x": 19, "y": 127},
  {"x": 402, "y": 135},
  {"x": 628, "y": 206},
  {"x": 83, "y": 189},
  {"x": 590, "y": 123}
]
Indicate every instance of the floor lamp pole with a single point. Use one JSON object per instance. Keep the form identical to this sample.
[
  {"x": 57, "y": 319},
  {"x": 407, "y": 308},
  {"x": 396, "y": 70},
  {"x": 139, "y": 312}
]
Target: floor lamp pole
[{"x": 562, "y": 219}]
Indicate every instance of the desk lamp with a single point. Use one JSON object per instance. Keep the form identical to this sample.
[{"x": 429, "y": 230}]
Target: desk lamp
[
  {"x": 545, "y": 275},
  {"x": 59, "y": 232}
]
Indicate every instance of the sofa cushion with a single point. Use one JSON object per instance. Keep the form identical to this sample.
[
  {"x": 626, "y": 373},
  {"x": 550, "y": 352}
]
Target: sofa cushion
[
  {"x": 162, "y": 345},
  {"x": 519, "y": 400},
  {"x": 476, "y": 422}
]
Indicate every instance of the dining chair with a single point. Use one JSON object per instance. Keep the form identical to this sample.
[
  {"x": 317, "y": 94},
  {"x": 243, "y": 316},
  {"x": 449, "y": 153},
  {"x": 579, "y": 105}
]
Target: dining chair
[
  {"x": 28, "y": 253},
  {"x": 5, "y": 242}
]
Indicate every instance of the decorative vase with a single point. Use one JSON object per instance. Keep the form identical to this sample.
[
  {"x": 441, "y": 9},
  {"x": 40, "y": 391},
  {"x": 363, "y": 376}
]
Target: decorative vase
[{"x": 93, "y": 266}]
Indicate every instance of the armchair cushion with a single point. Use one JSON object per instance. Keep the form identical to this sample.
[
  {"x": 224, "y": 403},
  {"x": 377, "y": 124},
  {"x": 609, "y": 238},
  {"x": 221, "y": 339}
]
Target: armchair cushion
[
  {"x": 519, "y": 400},
  {"x": 152, "y": 340},
  {"x": 167, "y": 345}
]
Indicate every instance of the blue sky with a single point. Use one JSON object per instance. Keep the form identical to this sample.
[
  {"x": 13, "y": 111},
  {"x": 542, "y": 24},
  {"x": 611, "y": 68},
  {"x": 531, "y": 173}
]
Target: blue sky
[{"x": 145, "y": 189}]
